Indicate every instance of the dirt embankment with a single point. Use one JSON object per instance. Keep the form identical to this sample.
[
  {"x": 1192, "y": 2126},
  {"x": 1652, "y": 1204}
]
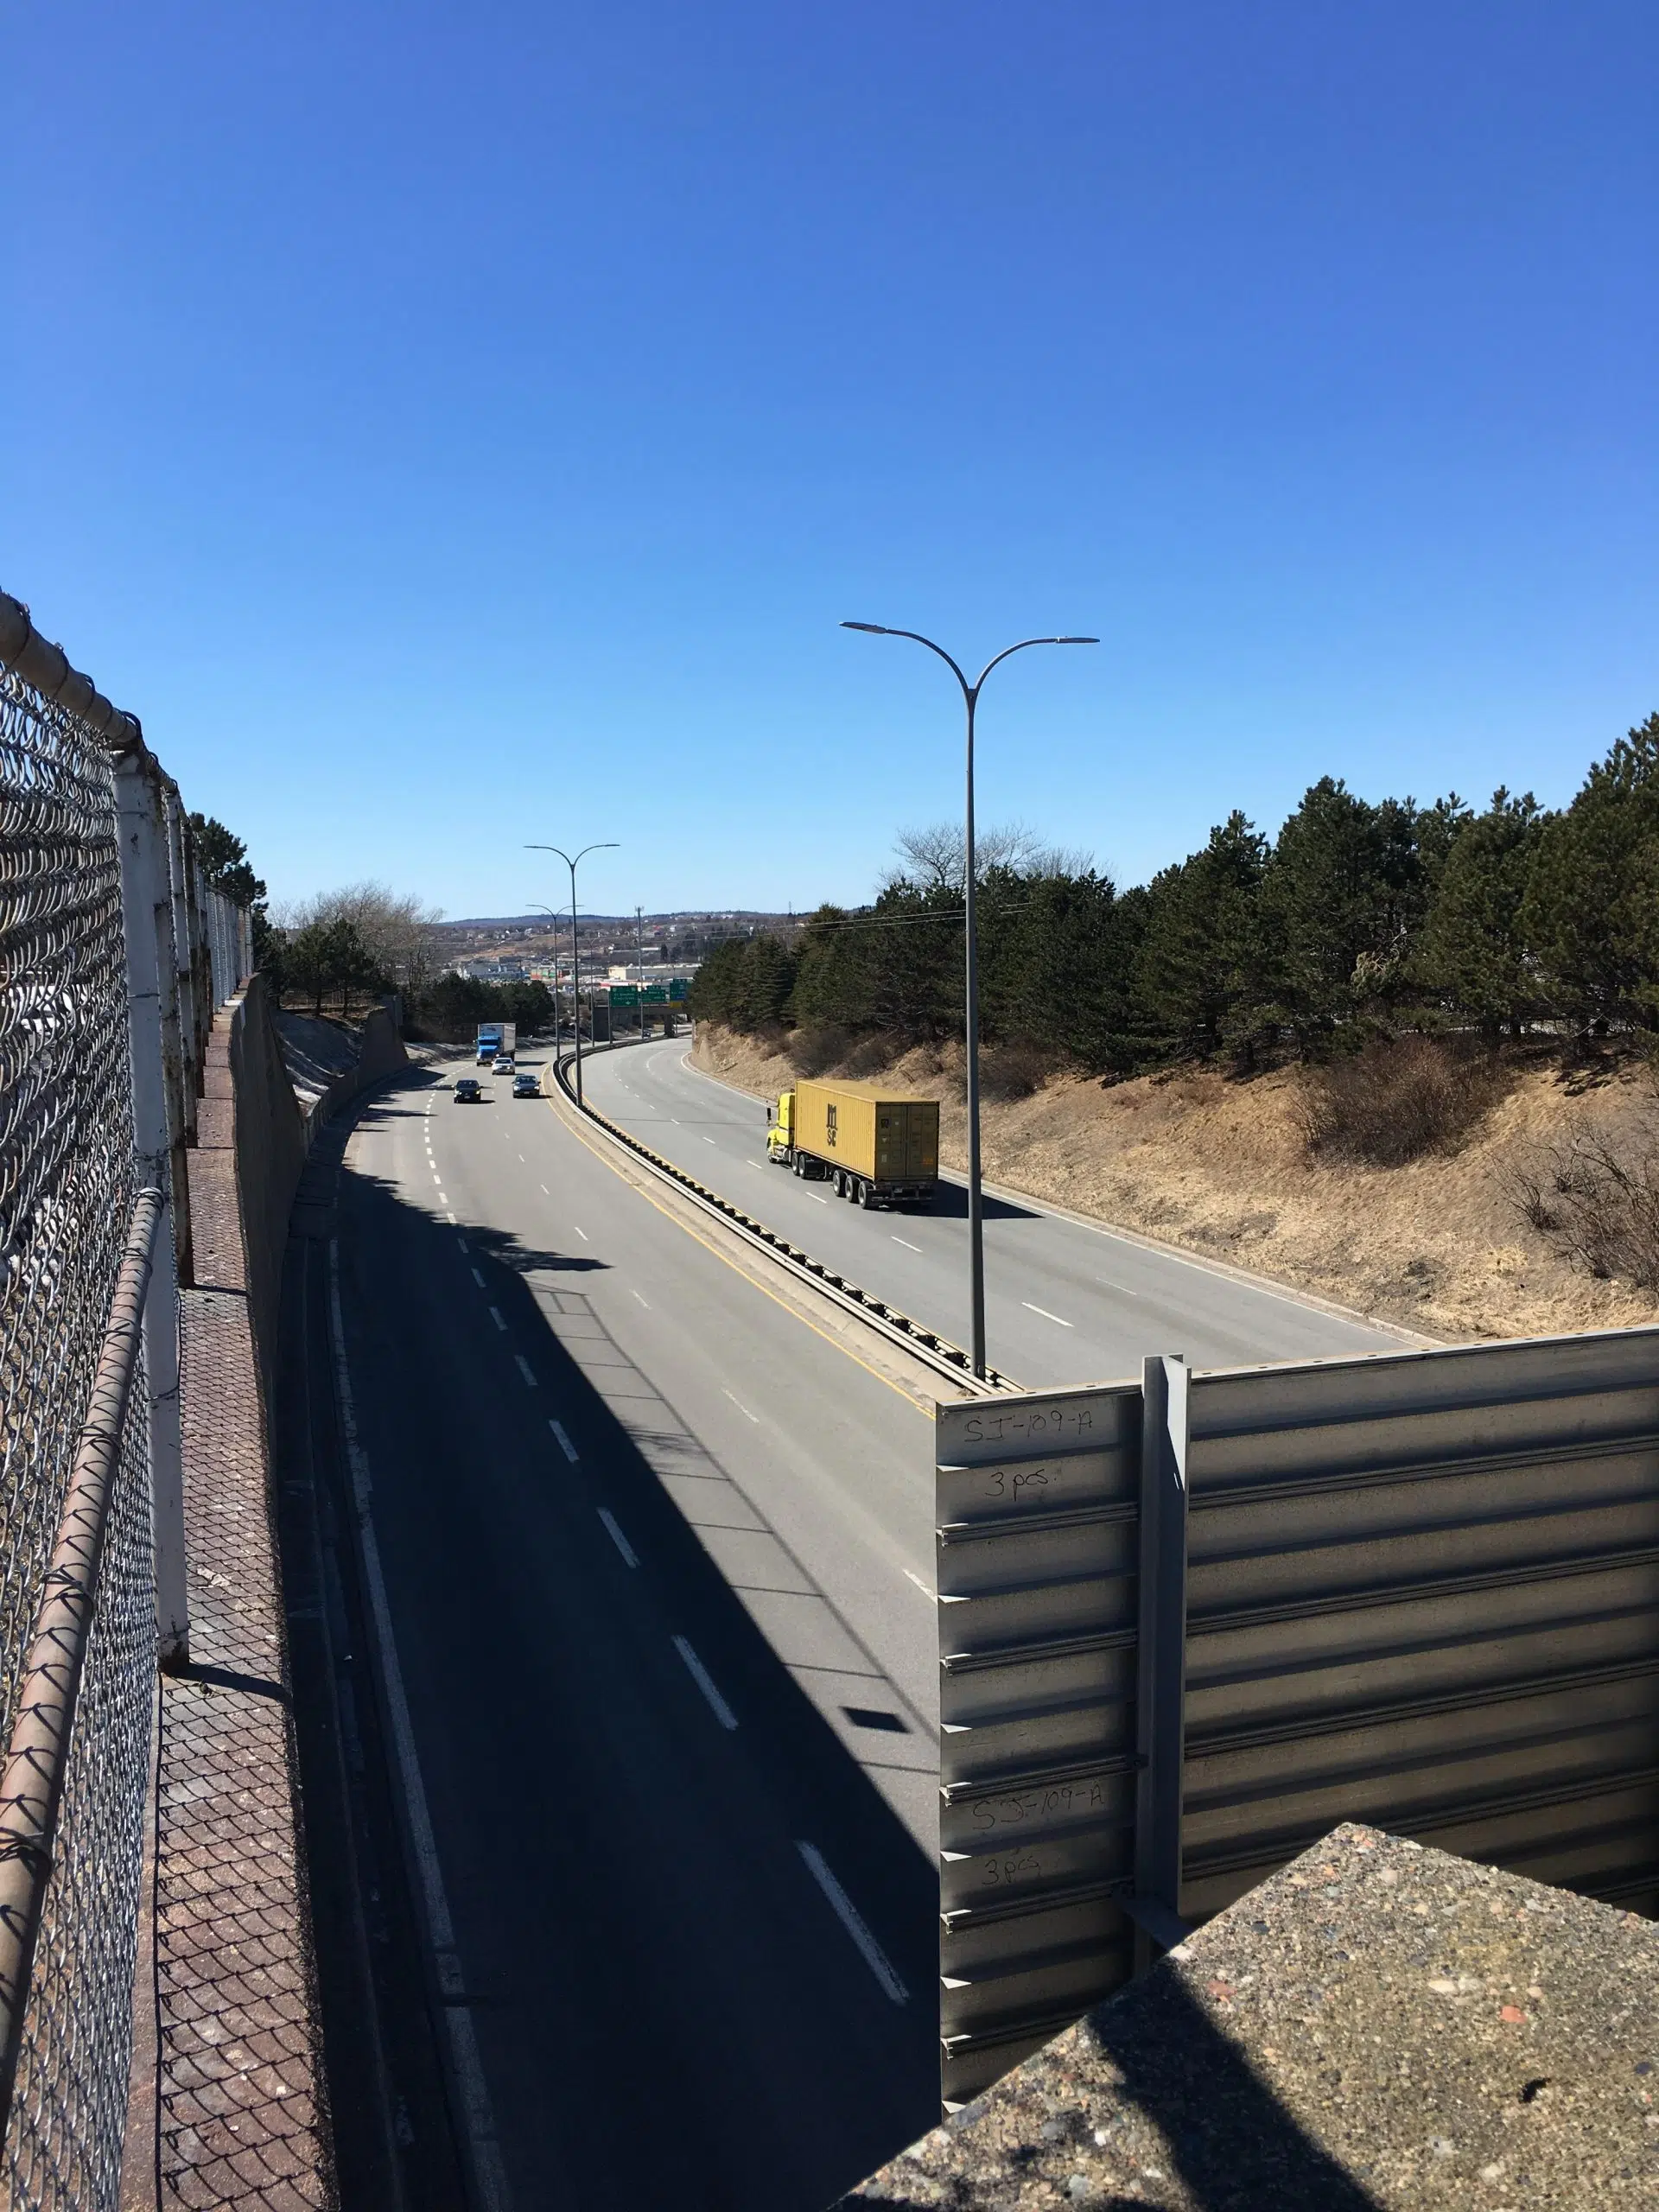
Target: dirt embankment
[{"x": 1222, "y": 1167}]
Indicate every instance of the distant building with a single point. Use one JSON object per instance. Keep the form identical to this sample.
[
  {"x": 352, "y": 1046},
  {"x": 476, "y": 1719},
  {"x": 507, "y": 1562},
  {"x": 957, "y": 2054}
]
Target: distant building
[{"x": 511, "y": 970}]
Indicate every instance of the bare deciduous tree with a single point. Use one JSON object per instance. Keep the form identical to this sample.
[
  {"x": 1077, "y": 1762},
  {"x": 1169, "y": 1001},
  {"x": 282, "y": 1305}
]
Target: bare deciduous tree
[
  {"x": 395, "y": 927},
  {"x": 931, "y": 856}
]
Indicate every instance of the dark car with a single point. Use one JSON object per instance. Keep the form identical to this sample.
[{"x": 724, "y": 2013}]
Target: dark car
[
  {"x": 469, "y": 1092},
  {"x": 525, "y": 1086}
]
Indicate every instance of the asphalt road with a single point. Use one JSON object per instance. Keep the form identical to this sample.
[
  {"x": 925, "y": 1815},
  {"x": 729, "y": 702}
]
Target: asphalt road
[
  {"x": 1065, "y": 1301},
  {"x": 656, "y": 1559}
]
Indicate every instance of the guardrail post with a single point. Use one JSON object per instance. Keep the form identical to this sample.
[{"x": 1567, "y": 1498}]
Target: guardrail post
[
  {"x": 1162, "y": 1675},
  {"x": 147, "y": 915}
]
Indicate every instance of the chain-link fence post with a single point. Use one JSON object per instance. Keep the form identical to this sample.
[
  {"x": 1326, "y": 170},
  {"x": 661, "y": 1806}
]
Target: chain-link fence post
[
  {"x": 147, "y": 915},
  {"x": 189, "y": 1033}
]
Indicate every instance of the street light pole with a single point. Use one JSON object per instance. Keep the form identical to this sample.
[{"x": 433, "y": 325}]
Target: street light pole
[
  {"x": 971, "y": 924},
  {"x": 639, "y": 962},
  {"x": 609, "y": 845},
  {"x": 536, "y": 907}
]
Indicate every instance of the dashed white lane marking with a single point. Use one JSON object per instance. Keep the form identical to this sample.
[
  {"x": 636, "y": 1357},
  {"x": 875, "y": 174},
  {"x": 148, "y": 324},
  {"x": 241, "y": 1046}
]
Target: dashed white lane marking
[
  {"x": 523, "y": 1162},
  {"x": 525, "y": 1370},
  {"x": 674, "y": 1119},
  {"x": 847, "y": 1912},
  {"x": 450, "y": 1218},
  {"x": 477, "y": 1279},
  {"x": 905, "y": 1242},
  {"x": 546, "y": 1193},
  {"x": 438, "y": 1179},
  {"x": 462, "y": 1241},
  {"x": 816, "y": 1199},
  {"x": 920, "y": 1585},
  {"x": 646, "y": 1302},
  {"x": 1046, "y": 1315},
  {"x": 704, "y": 1681},
  {"x": 581, "y": 1232},
  {"x": 618, "y": 1538},
  {"x": 707, "y": 1140},
  {"x": 495, "y": 1316},
  {"x": 741, "y": 1407},
  {"x": 477, "y": 2117},
  {"x": 565, "y": 1445}
]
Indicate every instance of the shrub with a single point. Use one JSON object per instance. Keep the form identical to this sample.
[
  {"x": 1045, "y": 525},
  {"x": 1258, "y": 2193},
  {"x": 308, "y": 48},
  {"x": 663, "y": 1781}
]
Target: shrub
[
  {"x": 1396, "y": 1100},
  {"x": 1013, "y": 1070},
  {"x": 815, "y": 1050},
  {"x": 1597, "y": 1198},
  {"x": 869, "y": 1056}
]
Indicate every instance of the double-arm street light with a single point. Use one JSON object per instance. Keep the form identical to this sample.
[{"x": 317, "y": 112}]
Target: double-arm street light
[
  {"x": 610, "y": 845},
  {"x": 976, "y": 1212}
]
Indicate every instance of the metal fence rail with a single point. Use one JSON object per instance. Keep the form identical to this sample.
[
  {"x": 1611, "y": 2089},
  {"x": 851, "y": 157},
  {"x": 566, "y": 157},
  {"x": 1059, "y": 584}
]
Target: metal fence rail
[
  {"x": 68, "y": 1886},
  {"x": 112, "y": 957},
  {"x": 1188, "y": 1626}
]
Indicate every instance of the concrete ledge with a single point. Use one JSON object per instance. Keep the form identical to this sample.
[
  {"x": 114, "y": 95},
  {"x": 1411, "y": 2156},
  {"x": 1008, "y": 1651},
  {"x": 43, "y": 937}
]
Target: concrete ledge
[{"x": 1379, "y": 2028}]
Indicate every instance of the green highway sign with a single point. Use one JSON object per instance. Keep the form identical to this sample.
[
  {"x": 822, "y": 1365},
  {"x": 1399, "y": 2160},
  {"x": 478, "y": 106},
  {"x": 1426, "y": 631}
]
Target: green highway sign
[{"x": 625, "y": 995}]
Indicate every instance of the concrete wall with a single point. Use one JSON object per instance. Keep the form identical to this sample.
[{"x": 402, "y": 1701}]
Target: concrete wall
[{"x": 273, "y": 1135}]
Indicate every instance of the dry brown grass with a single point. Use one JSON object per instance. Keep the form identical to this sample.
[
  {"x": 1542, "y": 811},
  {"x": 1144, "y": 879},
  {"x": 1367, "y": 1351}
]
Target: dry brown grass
[{"x": 1221, "y": 1168}]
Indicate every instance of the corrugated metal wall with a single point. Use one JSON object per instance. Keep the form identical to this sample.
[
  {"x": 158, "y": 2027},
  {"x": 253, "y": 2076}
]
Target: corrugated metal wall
[{"x": 1416, "y": 1588}]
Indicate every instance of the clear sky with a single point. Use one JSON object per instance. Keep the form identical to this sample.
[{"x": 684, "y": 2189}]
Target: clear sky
[{"x": 448, "y": 425}]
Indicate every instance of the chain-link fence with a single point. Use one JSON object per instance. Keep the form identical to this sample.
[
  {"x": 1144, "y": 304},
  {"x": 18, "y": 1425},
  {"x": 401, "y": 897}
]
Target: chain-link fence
[{"x": 111, "y": 957}]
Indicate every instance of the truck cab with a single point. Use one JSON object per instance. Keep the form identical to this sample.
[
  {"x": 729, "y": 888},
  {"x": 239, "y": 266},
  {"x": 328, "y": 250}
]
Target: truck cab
[{"x": 780, "y": 1136}]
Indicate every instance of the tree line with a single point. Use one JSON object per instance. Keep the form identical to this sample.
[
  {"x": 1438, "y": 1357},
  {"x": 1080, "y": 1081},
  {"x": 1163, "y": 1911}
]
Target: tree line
[{"x": 1360, "y": 919}]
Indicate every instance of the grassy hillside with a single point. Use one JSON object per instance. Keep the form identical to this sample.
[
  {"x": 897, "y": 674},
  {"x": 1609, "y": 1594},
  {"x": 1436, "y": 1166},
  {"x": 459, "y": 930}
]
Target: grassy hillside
[{"x": 1225, "y": 1167}]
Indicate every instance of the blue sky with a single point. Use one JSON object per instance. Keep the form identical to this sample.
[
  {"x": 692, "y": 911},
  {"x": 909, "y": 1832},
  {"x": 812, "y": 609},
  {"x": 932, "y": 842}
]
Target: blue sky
[{"x": 447, "y": 426}]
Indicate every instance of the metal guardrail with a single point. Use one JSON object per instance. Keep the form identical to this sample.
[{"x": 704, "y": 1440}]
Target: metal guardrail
[
  {"x": 926, "y": 1344},
  {"x": 1186, "y": 1627}
]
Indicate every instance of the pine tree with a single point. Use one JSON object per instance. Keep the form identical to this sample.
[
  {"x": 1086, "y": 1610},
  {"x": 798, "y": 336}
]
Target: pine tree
[
  {"x": 1590, "y": 912},
  {"x": 1200, "y": 976},
  {"x": 1472, "y": 953}
]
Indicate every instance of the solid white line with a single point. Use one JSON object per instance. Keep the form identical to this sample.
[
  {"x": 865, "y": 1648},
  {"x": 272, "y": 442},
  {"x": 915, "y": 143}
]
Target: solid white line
[
  {"x": 565, "y": 1445},
  {"x": 646, "y": 1302},
  {"x": 704, "y": 1681},
  {"x": 525, "y": 1370},
  {"x": 618, "y": 1538},
  {"x": 581, "y": 1232},
  {"x": 495, "y": 1316},
  {"x": 1046, "y": 1315},
  {"x": 477, "y": 1279},
  {"x": 920, "y": 1585},
  {"x": 905, "y": 1242},
  {"x": 477, "y": 2118},
  {"x": 741, "y": 1407},
  {"x": 847, "y": 1912}
]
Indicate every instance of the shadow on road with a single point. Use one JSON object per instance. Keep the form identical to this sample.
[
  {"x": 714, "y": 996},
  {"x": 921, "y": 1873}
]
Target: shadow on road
[{"x": 671, "y": 2007}]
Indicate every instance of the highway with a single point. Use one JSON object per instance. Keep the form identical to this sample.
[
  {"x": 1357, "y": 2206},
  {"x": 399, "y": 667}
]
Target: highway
[
  {"x": 1065, "y": 1301},
  {"x": 653, "y": 1556}
]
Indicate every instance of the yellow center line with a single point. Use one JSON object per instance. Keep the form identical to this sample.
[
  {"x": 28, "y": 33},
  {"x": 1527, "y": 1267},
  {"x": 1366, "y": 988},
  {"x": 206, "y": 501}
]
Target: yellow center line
[{"x": 925, "y": 1409}]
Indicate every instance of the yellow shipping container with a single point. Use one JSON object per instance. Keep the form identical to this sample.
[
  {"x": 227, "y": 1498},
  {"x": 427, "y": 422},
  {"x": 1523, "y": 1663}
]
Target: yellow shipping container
[{"x": 877, "y": 1147}]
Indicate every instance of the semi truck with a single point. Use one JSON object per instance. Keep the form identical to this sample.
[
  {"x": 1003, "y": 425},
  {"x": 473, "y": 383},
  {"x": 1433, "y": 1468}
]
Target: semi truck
[
  {"x": 877, "y": 1150},
  {"x": 495, "y": 1036}
]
